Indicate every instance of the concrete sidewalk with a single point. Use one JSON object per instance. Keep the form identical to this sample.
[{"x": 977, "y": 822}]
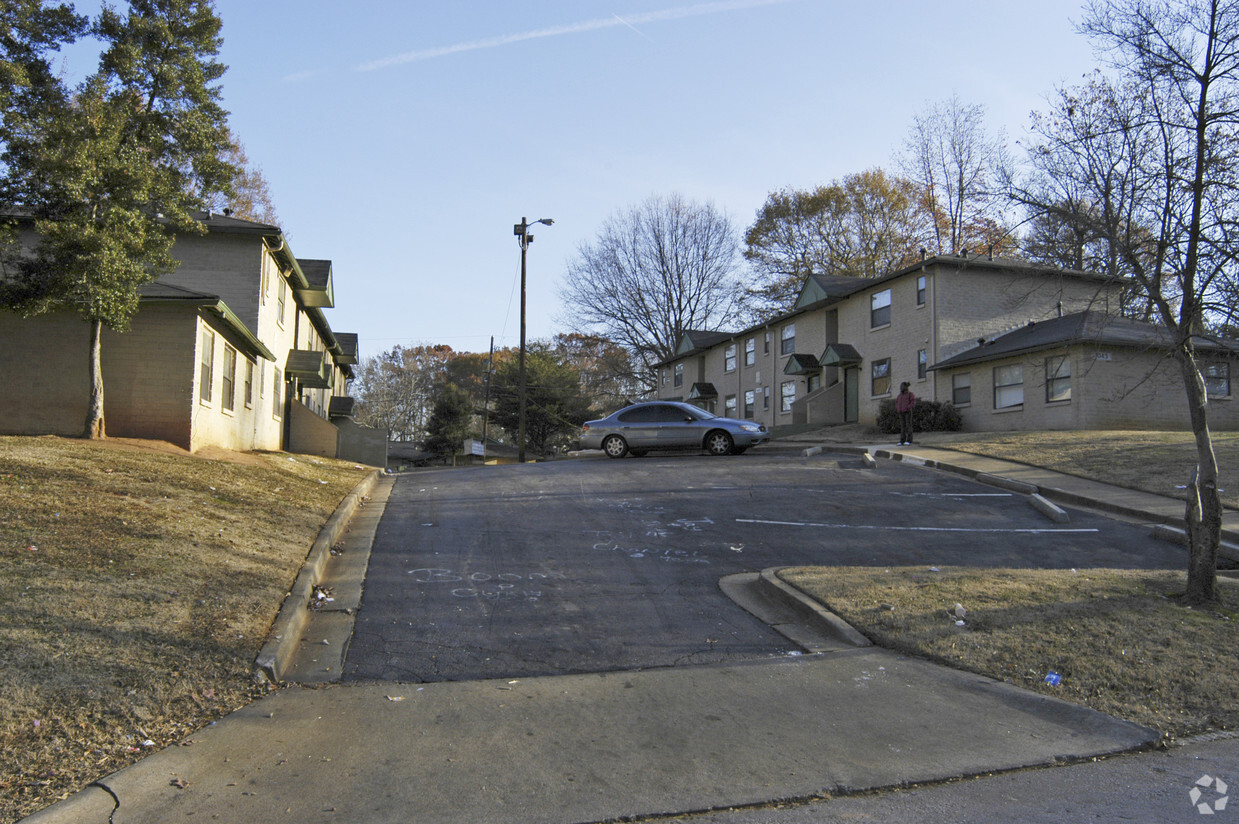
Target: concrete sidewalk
[
  {"x": 600, "y": 747},
  {"x": 613, "y": 745}
]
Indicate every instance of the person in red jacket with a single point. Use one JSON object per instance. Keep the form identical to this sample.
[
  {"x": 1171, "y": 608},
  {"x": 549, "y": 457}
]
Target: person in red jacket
[{"x": 904, "y": 402}]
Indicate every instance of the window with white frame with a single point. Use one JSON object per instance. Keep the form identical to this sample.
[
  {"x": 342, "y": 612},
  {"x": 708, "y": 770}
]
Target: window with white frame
[
  {"x": 229, "y": 386},
  {"x": 679, "y": 375},
  {"x": 767, "y": 343},
  {"x": 729, "y": 358},
  {"x": 1008, "y": 386},
  {"x": 961, "y": 389},
  {"x": 922, "y": 364},
  {"x": 920, "y": 290},
  {"x": 1057, "y": 379},
  {"x": 787, "y": 395},
  {"x": 880, "y": 375},
  {"x": 729, "y": 406},
  {"x": 750, "y": 352},
  {"x": 880, "y": 309},
  {"x": 787, "y": 338},
  {"x": 249, "y": 383},
  {"x": 207, "y": 366},
  {"x": 281, "y": 300},
  {"x": 277, "y": 394},
  {"x": 765, "y": 397},
  {"x": 750, "y": 401},
  {"x": 1217, "y": 379}
]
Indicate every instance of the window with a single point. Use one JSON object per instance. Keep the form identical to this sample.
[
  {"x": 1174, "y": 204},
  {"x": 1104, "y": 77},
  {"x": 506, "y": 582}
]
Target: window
[
  {"x": 767, "y": 349},
  {"x": 922, "y": 363},
  {"x": 880, "y": 309},
  {"x": 1008, "y": 386},
  {"x": 765, "y": 397},
  {"x": 750, "y": 402},
  {"x": 281, "y": 300},
  {"x": 961, "y": 389},
  {"x": 277, "y": 395},
  {"x": 207, "y": 367},
  {"x": 1217, "y": 379},
  {"x": 230, "y": 378},
  {"x": 729, "y": 358},
  {"x": 881, "y": 377},
  {"x": 788, "y": 339},
  {"x": 787, "y": 395},
  {"x": 249, "y": 383},
  {"x": 729, "y": 407},
  {"x": 920, "y": 291},
  {"x": 750, "y": 352},
  {"x": 1057, "y": 379},
  {"x": 679, "y": 375}
]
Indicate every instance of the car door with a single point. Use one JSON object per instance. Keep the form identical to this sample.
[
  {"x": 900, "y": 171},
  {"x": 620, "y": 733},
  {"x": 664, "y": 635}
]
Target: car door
[
  {"x": 639, "y": 426},
  {"x": 678, "y": 427}
]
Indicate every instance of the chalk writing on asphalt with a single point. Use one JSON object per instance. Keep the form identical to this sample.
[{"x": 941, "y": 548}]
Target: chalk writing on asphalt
[{"x": 490, "y": 586}]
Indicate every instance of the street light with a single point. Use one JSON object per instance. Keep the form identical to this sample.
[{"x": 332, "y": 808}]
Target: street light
[{"x": 521, "y": 230}]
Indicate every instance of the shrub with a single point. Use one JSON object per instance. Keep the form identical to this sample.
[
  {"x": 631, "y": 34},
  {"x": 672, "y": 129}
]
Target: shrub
[{"x": 927, "y": 416}]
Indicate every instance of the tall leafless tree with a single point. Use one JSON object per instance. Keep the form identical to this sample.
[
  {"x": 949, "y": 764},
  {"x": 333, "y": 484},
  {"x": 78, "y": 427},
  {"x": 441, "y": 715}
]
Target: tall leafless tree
[
  {"x": 1152, "y": 159},
  {"x": 955, "y": 161},
  {"x": 655, "y": 271}
]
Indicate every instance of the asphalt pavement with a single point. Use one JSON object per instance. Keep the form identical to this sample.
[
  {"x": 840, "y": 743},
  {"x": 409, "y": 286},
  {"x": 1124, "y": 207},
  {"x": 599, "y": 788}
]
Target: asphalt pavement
[{"x": 796, "y": 738}]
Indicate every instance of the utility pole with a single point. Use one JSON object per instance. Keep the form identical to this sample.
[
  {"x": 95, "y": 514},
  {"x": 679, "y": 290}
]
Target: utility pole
[{"x": 521, "y": 230}]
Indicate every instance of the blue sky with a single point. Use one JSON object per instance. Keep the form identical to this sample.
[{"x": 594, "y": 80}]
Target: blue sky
[{"x": 402, "y": 140}]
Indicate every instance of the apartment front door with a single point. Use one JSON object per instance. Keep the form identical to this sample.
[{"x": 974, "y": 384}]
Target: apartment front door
[{"x": 851, "y": 399}]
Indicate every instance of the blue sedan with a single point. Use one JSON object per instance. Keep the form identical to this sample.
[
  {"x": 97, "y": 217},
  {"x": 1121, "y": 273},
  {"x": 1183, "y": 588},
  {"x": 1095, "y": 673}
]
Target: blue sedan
[{"x": 669, "y": 425}]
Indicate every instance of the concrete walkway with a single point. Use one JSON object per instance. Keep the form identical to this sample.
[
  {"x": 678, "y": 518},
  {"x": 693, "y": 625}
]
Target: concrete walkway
[{"x": 624, "y": 744}]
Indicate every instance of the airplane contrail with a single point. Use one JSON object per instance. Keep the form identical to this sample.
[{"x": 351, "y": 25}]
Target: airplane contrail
[{"x": 678, "y": 13}]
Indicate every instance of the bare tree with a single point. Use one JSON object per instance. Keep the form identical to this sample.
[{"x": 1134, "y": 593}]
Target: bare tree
[
  {"x": 251, "y": 194},
  {"x": 955, "y": 162},
  {"x": 1154, "y": 155},
  {"x": 654, "y": 272}
]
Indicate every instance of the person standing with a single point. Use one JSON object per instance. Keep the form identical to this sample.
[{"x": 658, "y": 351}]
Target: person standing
[{"x": 905, "y": 401}]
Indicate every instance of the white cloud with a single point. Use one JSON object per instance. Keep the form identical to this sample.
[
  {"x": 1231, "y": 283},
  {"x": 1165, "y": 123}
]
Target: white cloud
[{"x": 678, "y": 13}]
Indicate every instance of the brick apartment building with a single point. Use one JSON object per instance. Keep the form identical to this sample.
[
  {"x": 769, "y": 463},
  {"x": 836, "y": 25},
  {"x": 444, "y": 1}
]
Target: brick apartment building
[
  {"x": 231, "y": 350},
  {"x": 1013, "y": 345}
]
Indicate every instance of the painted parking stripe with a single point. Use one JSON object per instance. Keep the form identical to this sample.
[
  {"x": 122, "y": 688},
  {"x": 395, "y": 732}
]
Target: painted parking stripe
[{"x": 913, "y": 528}]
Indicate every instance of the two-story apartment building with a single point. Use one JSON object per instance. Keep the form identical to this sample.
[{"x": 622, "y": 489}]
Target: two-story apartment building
[
  {"x": 232, "y": 349},
  {"x": 849, "y": 343}
]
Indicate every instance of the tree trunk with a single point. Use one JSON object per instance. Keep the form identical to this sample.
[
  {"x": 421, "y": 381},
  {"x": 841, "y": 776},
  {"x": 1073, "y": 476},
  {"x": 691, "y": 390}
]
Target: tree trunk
[
  {"x": 1204, "y": 504},
  {"x": 94, "y": 410}
]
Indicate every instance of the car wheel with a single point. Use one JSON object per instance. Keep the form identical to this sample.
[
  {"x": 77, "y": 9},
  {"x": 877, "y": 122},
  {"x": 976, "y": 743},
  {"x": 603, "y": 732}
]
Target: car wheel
[
  {"x": 614, "y": 446},
  {"x": 719, "y": 442}
]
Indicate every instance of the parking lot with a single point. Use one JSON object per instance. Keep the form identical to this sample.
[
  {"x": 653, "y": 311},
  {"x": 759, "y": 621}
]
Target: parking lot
[{"x": 600, "y": 565}]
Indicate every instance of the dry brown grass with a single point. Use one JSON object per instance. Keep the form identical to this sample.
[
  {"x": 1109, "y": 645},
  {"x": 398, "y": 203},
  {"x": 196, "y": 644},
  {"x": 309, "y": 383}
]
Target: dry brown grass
[
  {"x": 1120, "y": 639},
  {"x": 1158, "y": 462},
  {"x": 137, "y": 584}
]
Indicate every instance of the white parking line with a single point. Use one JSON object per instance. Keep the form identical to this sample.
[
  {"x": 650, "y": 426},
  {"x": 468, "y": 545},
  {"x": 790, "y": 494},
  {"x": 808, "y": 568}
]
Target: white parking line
[{"x": 912, "y": 528}]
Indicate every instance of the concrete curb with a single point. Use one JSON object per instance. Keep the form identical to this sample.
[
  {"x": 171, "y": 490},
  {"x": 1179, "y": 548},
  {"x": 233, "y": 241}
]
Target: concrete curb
[
  {"x": 276, "y": 654},
  {"x": 1050, "y": 510},
  {"x": 811, "y": 610}
]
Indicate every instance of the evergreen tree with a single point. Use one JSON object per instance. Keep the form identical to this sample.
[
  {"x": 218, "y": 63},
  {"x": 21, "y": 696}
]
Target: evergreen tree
[
  {"x": 111, "y": 172},
  {"x": 451, "y": 421}
]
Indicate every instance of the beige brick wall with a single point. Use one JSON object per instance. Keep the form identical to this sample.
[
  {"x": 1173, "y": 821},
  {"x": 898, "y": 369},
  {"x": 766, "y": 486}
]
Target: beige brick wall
[
  {"x": 146, "y": 375},
  {"x": 1111, "y": 388},
  {"x": 962, "y": 302}
]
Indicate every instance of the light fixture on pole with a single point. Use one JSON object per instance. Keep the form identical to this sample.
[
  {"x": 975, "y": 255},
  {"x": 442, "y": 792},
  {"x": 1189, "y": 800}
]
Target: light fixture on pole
[{"x": 521, "y": 230}]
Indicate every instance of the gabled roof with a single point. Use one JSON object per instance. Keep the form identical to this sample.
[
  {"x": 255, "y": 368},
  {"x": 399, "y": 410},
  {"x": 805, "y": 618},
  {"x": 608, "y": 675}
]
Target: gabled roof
[
  {"x": 159, "y": 292},
  {"x": 320, "y": 292},
  {"x": 694, "y": 340},
  {"x": 1081, "y": 327},
  {"x": 800, "y": 364},
  {"x": 821, "y": 289}
]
